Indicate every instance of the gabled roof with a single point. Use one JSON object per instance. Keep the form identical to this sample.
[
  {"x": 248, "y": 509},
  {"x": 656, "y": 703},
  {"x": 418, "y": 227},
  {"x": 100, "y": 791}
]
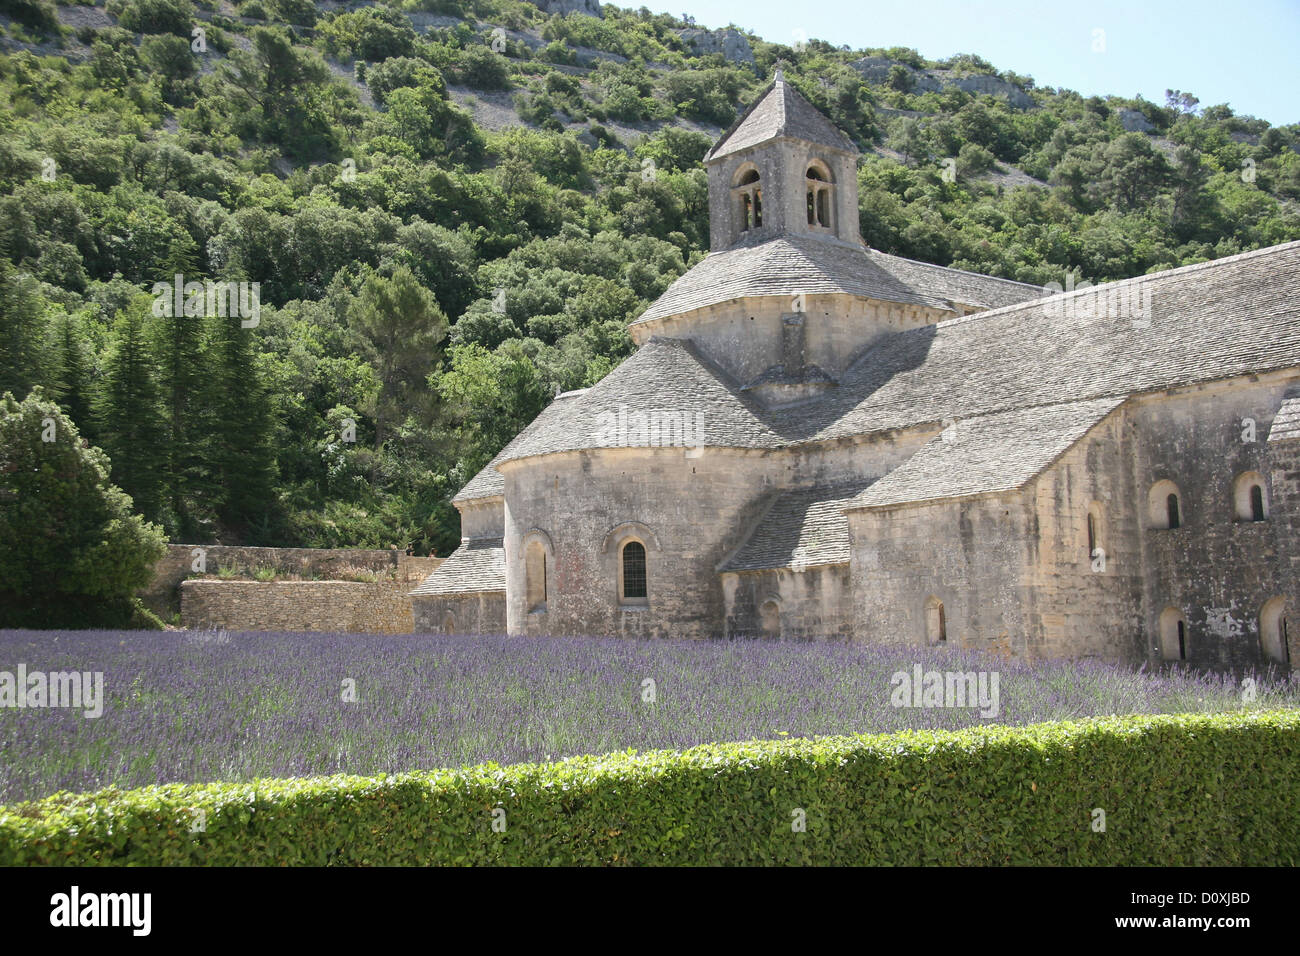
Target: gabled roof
[
  {"x": 664, "y": 394},
  {"x": 478, "y": 565},
  {"x": 1215, "y": 320},
  {"x": 987, "y": 455},
  {"x": 800, "y": 529},
  {"x": 790, "y": 265},
  {"x": 778, "y": 112},
  {"x": 1286, "y": 423}
]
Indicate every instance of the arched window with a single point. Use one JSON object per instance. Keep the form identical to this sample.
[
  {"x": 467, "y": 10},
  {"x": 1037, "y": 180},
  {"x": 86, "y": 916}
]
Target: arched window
[
  {"x": 1248, "y": 498},
  {"x": 1173, "y": 635},
  {"x": 769, "y": 617},
  {"x": 535, "y": 576},
  {"x": 819, "y": 195},
  {"x": 632, "y": 580},
  {"x": 1164, "y": 509},
  {"x": 1273, "y": 638},
  {"x": 936, "y": 621},
  {"x": 749, "y": 196}
]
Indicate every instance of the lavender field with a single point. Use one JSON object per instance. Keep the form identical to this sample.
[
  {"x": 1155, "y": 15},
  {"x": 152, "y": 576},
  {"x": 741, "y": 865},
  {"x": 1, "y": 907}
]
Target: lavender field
[{"x": 200, "y": 706}]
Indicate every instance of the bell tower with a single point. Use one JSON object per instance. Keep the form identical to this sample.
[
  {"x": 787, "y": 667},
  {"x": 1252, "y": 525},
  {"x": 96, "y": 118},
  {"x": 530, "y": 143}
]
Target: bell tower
[{"x": 783, "y": 169}]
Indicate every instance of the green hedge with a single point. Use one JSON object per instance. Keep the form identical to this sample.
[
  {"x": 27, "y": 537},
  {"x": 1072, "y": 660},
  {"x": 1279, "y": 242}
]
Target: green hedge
[{"x": 1190, "y": 790}]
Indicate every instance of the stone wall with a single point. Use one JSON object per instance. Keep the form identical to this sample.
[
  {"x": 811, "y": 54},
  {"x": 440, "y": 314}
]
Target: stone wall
[
  {"x": 967, "y": 553},
  {"x": 1079, "y": 605},
  {"x": 1217, "y": 569},
  {"x": 812, "y": 604},
  {"x": 480, "y": 613},
  {"x": 1013, "y": 573},
  {"x": 184, "y": 560},
  {"x": 341, "y": 606},
  {"x": 689, "y": 508},
  {"x": 747, "y": 342}
]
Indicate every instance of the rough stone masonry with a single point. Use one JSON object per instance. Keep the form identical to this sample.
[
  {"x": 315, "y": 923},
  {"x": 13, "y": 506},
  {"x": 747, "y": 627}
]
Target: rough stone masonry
[{"x": 888, "y": 451}]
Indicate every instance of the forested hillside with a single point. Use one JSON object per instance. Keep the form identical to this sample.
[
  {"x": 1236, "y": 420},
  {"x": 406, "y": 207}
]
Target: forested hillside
[{"x": 453, "y": 210}]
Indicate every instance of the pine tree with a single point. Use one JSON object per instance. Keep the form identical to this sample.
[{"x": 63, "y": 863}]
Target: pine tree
[
  {"x": 70, "y": 374},
  {"x": 178, "y": 344},
  {"x": 240, "y": 450},
  {"x": 22, "y": 331},
  {"x": 128, "y": 413},
  {"x": 404, "y": 326}
]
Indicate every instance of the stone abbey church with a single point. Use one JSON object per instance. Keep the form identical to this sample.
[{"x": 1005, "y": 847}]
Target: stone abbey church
[{"x": 817, "y": 440}]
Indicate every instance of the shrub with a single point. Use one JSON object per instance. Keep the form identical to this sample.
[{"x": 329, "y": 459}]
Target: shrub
[
  {"x": 1179, "y": 790},
  {"x": 371, "y": 33},
  {"x": 74, "y": 551},
  {"x": 154, "y": 16},
  {"x": 38, "y": 14}
]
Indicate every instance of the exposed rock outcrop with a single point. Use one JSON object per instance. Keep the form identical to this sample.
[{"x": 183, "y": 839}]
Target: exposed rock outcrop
[
  {"x": 1135, "y": 121},
  {"x": 877, "y": 69},
  {"x": 732, "y": 44},
  {"x": 564, "y": 7}
]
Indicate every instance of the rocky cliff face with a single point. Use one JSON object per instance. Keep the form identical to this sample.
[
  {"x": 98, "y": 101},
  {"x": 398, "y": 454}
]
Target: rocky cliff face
[
  {"x": 876, "y": 69},
  {"x": 730, "y": 43},
  {"x": 564, "y": 7}
]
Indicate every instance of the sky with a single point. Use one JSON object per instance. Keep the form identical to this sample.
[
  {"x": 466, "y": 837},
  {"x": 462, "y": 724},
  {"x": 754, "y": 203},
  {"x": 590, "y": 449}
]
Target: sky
[{"x": 1245, "y": 53}]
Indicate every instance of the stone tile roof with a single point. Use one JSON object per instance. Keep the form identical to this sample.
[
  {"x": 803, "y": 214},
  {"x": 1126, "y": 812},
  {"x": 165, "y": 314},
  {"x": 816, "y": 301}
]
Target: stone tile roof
[
  {"x": 1233, "y": 316},
  {"x": 790, "y": 265},
  {"x": 1286, "y": 423},
  {"x": 490, "y": 483},
  {"x": 988, "y": 454},
  {"x": 956, "y": 286},
  {"x": 780, "y": 111},
  {"x": 664, "y": 394},
  {"x": 477, "y": 565},
  {"x": 800, "y": 529}
]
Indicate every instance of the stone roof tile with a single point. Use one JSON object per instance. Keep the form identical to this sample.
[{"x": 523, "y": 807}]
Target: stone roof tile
[
  {"x": 800, "y": 529},
  {"x": 812, "y": 265},
  {"x": 478, "y": 565},
  {"x": 988, "y": 454},
  {"x": 665, "y": 394},
  {"x": 490, "y": 483},
  {"x": 780, "y": 111},
  {"x": 1234, "y": 316},
  {"x": 1286, "y": 423}
]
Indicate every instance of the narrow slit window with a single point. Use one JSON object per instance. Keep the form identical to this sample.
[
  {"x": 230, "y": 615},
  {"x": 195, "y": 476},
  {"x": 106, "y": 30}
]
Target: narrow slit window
[
  {"x": 1171, "y": 510},
  {"x": 1256, "y": 503},
  {"x": 936, "y": 621}
]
